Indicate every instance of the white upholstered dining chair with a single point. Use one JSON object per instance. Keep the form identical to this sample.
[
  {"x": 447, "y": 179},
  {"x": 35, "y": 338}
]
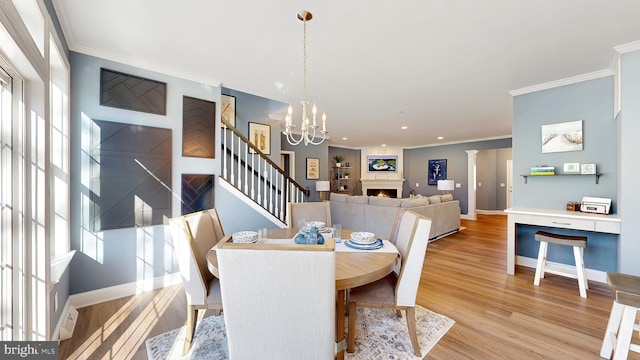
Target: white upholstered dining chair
[
  {"x": 279, "y": 300},
  {"x": 193, "y": 235},
  {"x": 310, "y": 211},
  {"x": 397, "y": 290}
]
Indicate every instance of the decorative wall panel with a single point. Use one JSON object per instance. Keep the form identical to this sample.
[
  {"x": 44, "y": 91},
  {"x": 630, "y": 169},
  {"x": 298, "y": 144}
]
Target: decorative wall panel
[
  {"x": 132, "y": 92},
  {"x": 198, "y": 127},
  {"x": 197, "y": 193},
  {"x": 130, "y": 175}
]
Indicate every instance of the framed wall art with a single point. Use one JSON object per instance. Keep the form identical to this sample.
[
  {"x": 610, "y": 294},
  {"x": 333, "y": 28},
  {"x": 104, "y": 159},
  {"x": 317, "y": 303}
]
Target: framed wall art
[
  {"x": 437, "y": 171},
  {"x": 132, "y": 92},
  {"x": 228, "y": 113},
  {"x": 198, "y": 127},
  {"x": 197, "y": 192},
  {"x": 313, "y": 168},
  {"x": 382, "y": 163},
  {"x": 566, "y": 136},
  {"x": 260, "y": 136}
]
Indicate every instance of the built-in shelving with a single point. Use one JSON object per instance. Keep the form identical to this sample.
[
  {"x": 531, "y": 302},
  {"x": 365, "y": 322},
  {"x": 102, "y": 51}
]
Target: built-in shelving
[
  {"x": 526, "y": 176},
  {"x": 340, "y": 181}
]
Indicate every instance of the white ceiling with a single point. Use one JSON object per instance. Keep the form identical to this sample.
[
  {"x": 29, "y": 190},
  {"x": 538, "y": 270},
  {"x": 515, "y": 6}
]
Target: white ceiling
[{"x": 442, "y": 68}]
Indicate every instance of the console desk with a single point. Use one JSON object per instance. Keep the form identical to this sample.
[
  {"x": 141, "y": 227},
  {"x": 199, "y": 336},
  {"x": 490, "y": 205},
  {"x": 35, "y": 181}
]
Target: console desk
[{"x": 554, "y": 218}]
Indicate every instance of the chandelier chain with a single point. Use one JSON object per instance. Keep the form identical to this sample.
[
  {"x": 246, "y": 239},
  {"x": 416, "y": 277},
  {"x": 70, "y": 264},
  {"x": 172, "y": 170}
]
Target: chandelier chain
[{"x": 304, "y": 60}]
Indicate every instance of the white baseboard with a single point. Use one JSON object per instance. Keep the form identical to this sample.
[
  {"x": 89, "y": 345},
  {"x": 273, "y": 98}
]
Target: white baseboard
[
  {"x": 466, "y": 217},
  {"x": 115, "y": 292},
  {"x": 594, "y": 275},
  {"x": 491, "y": 212}
]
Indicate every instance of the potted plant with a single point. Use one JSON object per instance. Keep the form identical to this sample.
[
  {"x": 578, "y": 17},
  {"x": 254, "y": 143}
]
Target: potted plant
[
  {"x": 339, "y": 159},
  {"x": 346, "y": 175}
]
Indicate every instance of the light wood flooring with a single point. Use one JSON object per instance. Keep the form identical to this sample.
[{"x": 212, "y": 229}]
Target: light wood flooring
[{"x": 497, "y": 316}]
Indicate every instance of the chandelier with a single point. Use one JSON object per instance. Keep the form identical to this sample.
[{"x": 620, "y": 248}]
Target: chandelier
[{"x": 308, "y": 127}]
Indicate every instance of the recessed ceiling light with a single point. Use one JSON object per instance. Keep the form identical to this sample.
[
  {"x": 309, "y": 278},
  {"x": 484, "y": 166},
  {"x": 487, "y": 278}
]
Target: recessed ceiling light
[
  {"x": 384, "y": 144},
  {"x": 404, "y": 127},
  {"x": 344, "y": 138},
  {"x": 440, "y": 137}
]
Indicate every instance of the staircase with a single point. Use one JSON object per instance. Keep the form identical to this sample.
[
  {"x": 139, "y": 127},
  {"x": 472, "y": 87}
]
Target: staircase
[{"x": 252, "y": 173}]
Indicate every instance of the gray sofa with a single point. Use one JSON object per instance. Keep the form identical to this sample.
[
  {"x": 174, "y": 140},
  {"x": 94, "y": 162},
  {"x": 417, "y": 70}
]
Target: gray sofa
[{"x": 376, "y": 214}]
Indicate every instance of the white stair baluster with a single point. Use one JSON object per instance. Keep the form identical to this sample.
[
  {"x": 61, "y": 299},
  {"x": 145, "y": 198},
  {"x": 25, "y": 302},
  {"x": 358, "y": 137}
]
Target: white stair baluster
[
  {"x": 239, "y": 183},
  {"x": 225, "y": 175},
  {"x": 246, "y": 169}
]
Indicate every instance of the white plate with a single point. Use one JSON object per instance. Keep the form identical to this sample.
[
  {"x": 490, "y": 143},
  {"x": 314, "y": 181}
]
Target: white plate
[
  {"x": 376, "y": 245},
  {"x": 363, "y": 237},
  {"x": 245, "y": 237}
]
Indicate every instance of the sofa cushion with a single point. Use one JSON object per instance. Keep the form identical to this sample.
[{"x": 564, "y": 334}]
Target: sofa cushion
[
  {"x": 358, "y": 199},
  {"x": 446, "y": 197},
  {"x": 384, "y": 201},
  {"x": 435, "y": 199},
  {"x": 409, "y": 203},
  {"x": 335, "y": 197}
]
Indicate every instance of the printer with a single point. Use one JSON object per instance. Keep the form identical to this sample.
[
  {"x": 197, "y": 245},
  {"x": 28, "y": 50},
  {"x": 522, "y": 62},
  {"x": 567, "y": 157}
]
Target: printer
[{"x": 595, "y": 205}]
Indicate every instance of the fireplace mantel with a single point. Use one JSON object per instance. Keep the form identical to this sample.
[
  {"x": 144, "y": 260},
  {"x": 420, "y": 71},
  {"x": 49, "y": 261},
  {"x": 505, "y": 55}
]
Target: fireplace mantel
[{"x": 382, "y": 184}]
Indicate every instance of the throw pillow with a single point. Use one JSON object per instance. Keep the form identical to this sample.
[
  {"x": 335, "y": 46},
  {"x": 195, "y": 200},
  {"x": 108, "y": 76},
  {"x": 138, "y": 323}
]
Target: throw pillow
[
  {"x": 410, "y": 203},
  {"x": 435, "y": 199},
  {"x": 446, "y": 197}
]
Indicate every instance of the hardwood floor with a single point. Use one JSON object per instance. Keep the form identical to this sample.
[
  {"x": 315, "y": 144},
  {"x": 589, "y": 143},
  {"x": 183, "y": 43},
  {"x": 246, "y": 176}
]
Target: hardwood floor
[{"x": 497, "y": 316}]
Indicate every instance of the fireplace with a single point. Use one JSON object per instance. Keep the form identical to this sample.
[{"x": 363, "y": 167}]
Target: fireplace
[
  {"x": 390, "y": 193},
  {"x": 393, "y": 187}
]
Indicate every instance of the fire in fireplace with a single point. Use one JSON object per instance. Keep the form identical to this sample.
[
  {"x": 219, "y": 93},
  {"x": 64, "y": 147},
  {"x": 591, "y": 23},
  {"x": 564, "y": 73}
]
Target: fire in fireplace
[{"x": 390, "y": 193}]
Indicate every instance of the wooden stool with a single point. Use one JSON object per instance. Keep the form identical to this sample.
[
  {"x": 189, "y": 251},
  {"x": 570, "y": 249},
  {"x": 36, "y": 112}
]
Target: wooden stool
[
  {"x": 622, "y": 321},
  {"x": 577, "y": 242}
]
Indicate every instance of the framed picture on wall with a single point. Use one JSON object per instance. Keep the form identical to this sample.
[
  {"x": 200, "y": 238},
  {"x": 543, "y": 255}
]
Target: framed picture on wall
[
  {"x": 313, "y": 168},
  {"x": 382, "y": 163},
  {"x": 437, "y": 171},
  {"x": 228, "y": 111},
  {"x": 560, "y": 137},
  {"x": 260, "y": 136}
]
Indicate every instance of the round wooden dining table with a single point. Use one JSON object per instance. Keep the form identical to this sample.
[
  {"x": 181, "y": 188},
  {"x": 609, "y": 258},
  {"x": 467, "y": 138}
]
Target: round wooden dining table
[{"x": 353, "y": 269}]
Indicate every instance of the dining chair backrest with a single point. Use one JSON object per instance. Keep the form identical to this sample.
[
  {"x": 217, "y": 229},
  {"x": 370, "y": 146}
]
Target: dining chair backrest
[
  {"x": 310, "y": 211},
  {"x": 411, "y": 270},
  {"x": 407, "y": 223},
  {"x": 205, "y": 231},
  {"x": 278, "y": 303},
  {"x": 193, "y": 235}
]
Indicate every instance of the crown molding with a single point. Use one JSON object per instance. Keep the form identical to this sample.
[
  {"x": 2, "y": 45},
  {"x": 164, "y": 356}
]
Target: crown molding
[
  {"x": 615, "y": 55},
  {"x": 459, "y": 142},
  {"x": 626, "y": 48},
  {"x": 562, "y": 82}
]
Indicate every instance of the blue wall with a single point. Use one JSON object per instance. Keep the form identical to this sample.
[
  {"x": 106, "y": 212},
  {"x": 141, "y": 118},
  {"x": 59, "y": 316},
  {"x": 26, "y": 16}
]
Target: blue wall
[
  {"x": 416, "y": 161},
  {"x": 302, "y": 153},
  {"x": 592, "y": 102},
  {"x": 256, "y": 109},
  {"x": 123, "y": 256}
]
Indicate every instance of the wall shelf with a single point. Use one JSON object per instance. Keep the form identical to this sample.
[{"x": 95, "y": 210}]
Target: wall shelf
[{"x": 597, "y": 176}]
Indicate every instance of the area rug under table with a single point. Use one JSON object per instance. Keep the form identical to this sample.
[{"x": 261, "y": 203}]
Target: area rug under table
[{"x": 380, "y": 334}]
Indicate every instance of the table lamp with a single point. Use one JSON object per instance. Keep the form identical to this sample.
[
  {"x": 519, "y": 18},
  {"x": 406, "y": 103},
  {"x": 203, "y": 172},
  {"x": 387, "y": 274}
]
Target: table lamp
[
  {"x": 321, "y": 187},
  {"x": 445, "y": 186}
]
